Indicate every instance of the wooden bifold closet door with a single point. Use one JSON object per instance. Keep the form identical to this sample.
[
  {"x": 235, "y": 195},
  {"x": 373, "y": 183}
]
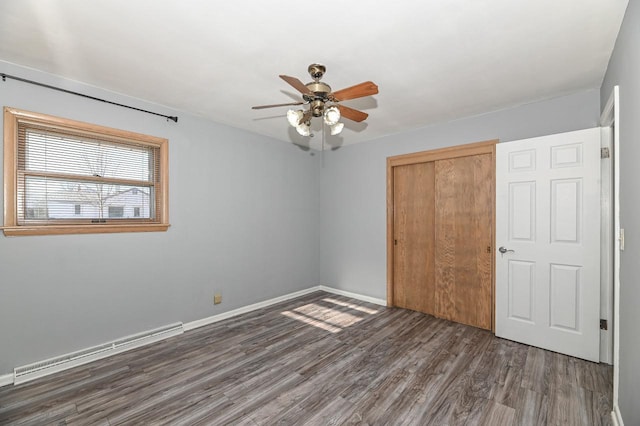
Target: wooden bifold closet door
[{"x": 441, "y": 237}]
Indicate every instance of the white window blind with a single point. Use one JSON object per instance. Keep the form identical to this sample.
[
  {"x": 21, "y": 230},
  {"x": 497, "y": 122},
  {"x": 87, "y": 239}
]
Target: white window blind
[{"x": 59, "y": 170}]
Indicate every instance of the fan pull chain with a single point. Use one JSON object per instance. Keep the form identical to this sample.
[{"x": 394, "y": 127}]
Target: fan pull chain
[{"x": 323, "y": 132}]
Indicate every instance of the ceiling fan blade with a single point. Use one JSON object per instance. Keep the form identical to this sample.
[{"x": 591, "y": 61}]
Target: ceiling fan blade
[
  {"x": 297, "y": 84},
  {"x": 367, "y": 88},
  {"x": 276, "y": 105},
  {"x": 352, "y": 114}
]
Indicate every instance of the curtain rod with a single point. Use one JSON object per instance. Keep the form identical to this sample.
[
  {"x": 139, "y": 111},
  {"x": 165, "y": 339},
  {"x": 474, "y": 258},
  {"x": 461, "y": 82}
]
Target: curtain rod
[{"x": 24, "y": 80}]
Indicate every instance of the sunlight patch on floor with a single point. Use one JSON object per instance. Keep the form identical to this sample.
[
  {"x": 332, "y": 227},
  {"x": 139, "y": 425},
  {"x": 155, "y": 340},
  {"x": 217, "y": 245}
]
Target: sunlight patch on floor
[
  {"x": 311, "y": 321},
  {"x": 330, "y": 319},
  {"x": 351, "y": 306}
]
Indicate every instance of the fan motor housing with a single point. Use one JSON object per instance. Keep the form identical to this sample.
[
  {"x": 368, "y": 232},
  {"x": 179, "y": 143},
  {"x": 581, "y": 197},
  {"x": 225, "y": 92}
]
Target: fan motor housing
[{"x": 321, "y": 90}]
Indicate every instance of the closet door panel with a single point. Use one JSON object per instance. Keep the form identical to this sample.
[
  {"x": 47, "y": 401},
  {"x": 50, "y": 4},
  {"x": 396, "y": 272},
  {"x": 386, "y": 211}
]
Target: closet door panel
[
  {"x": 413, "y": 253},
  {"x": 463, "y": 220}
]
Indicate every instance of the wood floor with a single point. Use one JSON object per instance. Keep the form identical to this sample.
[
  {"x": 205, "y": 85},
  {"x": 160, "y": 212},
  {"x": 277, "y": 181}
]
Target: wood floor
[{"x": 322, "y": 360}]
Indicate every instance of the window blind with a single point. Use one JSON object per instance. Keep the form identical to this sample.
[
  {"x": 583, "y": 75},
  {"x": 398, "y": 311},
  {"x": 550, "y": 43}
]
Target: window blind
[{"x": 73, "y": 176}]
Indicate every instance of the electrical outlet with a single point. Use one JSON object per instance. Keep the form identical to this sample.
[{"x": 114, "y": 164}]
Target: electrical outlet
[{"x": 217, "y": 299}]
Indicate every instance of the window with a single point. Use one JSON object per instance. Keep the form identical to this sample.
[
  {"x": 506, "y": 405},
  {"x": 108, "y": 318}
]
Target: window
[
  {"x": 116, "y": 211},
  {"x": 63, "y": 176}
]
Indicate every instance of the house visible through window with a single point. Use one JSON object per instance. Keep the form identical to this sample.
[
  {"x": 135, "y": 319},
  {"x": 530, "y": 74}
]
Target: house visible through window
[{"x": 63, "y": 172}]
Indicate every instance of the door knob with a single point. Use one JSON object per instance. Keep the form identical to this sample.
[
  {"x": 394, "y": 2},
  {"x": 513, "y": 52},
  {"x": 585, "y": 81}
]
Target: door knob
[{"x": 504, "y": 250}]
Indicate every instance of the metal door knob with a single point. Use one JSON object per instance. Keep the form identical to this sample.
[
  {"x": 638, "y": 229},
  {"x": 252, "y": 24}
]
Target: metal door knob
[{"x": 504, "y": 250}]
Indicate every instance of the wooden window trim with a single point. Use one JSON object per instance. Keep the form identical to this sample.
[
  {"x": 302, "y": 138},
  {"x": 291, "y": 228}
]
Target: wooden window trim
[{"x": 13, "y": 116}]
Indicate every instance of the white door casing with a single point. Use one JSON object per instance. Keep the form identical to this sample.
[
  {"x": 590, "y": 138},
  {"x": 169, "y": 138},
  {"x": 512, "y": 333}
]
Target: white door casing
[
  {"x": 548, "y": 214},
  {"x": 611, "y": 118},
  {"x": 606, "y": 246}
]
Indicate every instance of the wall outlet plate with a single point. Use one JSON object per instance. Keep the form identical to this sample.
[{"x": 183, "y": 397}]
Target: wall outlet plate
[{"x": 217, "y": 299}]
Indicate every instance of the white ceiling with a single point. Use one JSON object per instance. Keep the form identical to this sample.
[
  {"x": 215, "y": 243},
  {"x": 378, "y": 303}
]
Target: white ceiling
[{"x": 433, "y": 60}]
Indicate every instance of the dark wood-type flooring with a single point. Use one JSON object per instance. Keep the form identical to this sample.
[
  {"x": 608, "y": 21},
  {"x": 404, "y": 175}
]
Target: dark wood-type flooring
[{"x": 322, "y": 359}]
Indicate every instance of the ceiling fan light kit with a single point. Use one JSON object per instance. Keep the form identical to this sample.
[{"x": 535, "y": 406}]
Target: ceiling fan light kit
[{"x": 323, "y": 102}]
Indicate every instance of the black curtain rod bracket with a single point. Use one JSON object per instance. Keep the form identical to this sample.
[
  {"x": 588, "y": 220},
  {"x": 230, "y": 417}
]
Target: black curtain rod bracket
[{"x": 71, "y": 92}]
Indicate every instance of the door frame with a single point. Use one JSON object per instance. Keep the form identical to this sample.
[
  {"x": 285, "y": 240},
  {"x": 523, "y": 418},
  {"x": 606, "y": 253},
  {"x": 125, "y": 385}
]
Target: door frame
[
  {"x": 611, "y": 117},
  {"x": 606, "y": 246},
  {"x": 477, "y": 148}
]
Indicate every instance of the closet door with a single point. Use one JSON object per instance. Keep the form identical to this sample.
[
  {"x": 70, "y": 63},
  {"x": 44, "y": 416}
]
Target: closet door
[
  {"x": 463, "y": 239},
  {"x": 413, "y": 245}
]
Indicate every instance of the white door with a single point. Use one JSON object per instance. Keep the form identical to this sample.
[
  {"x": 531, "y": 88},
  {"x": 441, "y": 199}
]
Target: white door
[{"x": 548, "y": 226}]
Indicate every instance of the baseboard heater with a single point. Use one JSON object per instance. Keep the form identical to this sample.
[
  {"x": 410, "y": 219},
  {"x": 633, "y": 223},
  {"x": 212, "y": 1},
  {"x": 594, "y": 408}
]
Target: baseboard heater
[{"x": 60, "y": 363}]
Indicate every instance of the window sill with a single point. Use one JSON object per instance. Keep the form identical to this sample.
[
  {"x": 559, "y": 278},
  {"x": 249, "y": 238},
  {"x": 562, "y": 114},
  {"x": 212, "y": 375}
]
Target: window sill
[{"x": 14, "y": 231}]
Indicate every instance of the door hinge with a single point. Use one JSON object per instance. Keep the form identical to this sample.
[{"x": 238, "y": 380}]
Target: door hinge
[
  {"x": 604, "y": 325},
  {"x": 605, "y": 153}
]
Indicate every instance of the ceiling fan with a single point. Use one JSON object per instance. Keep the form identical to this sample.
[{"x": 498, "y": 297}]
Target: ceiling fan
[{"x": 323, "y": 102}]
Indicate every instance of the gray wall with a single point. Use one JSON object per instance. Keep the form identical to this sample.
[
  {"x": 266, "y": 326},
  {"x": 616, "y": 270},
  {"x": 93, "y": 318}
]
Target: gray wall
[
  {"x": 624, "y": 70},
  {"x": 244, "y": 215},
  {"x": 353, "y": 182}
]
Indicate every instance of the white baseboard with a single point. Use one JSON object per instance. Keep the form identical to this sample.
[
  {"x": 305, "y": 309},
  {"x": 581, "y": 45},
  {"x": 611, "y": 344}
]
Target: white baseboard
[
  {"x": 243, "y": 310},
  {"x": 616, "y": 416},
  {"x": 6, "y": 379},
  {"x": 357, "y": 296}
]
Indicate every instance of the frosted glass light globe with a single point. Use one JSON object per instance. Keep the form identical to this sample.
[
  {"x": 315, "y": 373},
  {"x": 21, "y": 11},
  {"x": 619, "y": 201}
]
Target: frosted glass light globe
[
  {"x": 337, "y": 128},
  {"x": 332, "y": 115},
  {"x": 304, "y": 129},
  {"x": 294, "y": 117}
]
